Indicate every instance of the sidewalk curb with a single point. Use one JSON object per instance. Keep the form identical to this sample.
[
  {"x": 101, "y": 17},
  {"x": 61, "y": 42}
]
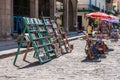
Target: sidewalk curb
[
  {"x": 74, "y": 38},
  {"x": 23, "y": 51},
  {"x": 13, "y": 53}
]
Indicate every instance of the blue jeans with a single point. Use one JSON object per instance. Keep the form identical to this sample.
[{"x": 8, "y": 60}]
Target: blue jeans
[{"x": 95, "y": 51}]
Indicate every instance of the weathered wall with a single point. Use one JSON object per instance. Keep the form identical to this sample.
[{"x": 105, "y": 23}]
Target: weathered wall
[{"x": 5, "y": 19}]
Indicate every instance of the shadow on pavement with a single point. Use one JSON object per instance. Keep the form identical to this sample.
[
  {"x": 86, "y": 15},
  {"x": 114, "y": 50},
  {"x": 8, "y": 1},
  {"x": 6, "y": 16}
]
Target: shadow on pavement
[
  {"x": 98, "y": 60},
  {"x": 88, "y": 60},
  {"x": 29, "y": 65},
  {"x": 109, "y": 50}
]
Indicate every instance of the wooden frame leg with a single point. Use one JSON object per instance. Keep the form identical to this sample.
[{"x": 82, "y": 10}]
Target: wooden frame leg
[{"x": 28, "y": 46}]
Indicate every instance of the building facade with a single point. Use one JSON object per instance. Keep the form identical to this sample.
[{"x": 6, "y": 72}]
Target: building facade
[
  {"x": 86, "y": 6},
  {"x": 10, "y": 8},
  {"x": 36, "y": 9},
  {"x": 67, "y": 14},
  {"x": 109, "y": 6},
  {"x": 116, "y": 6}
]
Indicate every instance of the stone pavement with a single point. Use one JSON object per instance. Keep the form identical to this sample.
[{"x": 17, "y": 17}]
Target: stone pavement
[
  {"x": 9, "y": 48},
  {"x": 67, "y": 67}
]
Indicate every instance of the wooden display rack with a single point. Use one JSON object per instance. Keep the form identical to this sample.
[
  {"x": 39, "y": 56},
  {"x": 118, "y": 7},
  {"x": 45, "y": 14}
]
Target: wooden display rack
[
  {"x": 105, "y": 31},
  {"x": 58, "y": 36},
  {"x": 95, "y": 49},
  {"x": 39, "y": 39},
  {"x": 50, "y": 26}
]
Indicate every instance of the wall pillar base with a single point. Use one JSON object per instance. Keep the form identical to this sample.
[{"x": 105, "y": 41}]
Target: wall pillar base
[{"x": 4, "y": 38}]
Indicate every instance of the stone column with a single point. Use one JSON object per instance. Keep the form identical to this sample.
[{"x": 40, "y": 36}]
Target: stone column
[
  {"x": 34, "y": 9},
  {"x": 52, "y": 8},
  {"x": 75, "y": 14},
  {"x": 6, "y": 19},
  {"x": 65, "y": 15}
]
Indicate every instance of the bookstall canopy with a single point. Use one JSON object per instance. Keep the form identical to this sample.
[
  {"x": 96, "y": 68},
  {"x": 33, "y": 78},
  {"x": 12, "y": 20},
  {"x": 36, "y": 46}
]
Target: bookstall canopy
[
  {"x": 113, "y": 19},
  {"x": 99, "y": 15}
]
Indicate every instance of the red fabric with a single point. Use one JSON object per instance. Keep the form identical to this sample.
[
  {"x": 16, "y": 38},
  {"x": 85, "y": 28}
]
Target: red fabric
[{"x": 98, "y": 15}]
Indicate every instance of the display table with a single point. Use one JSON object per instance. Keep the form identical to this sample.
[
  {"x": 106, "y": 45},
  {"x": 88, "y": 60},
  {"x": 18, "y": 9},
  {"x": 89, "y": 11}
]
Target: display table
[{"x": 100, "y": 47}]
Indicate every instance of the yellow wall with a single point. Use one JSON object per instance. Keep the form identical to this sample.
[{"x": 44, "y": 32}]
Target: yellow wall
[
  {"x": 98, "y": 3},
  {"x": 115, "y": 4},
  {"x": 84, "y": 19}
]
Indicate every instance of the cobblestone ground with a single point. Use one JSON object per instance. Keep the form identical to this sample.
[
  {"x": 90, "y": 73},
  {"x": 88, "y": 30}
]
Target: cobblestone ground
[{"x": 66, "y": 67}]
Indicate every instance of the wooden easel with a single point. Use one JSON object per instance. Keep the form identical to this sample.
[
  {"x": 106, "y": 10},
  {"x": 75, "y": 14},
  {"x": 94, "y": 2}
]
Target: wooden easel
[
  {"x": 66, "y": 43},
  {"x": 88, "y": 50},
  {"x": 27, "y": 50}
]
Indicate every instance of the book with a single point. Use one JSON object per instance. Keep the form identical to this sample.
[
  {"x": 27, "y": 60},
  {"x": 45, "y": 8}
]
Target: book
[
  {"x": 46, "y": 21},
  {"x": 27, "y": 21},
  {"x": 49, "y": 48},
  {"x": 45, "y": 41},
  {"x": 42, "y": 54},
  {"x": 63, "y": 49},
  {"x": 40, "y": 22},
  {"x": 42, "y": 50},
  {"x": 34, "y": 36},
  {"x": 36, "y": 21},
  {"x": 31, "y": 21},
  {"x": 54, "y": 25},
  {"x": 44, "y": 35},
  {"x": 41, "y": 28},
  {"x": 49, "y": 28},
  {"x": 43, "y": 58},
  {"x": 31, "y": 27},
  {"x": 40, "y": 35},
  {"x": 38, "y": 43},
  {"x": 56, "y": 31},
  {"x": 27, "y": 37},
  {"x": 38, "y": 51}
]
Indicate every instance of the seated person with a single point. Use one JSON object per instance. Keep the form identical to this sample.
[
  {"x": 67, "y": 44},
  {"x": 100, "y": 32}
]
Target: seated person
[
  {"x": 89, "y": 30},
  {"x": 115, "y": 33}
]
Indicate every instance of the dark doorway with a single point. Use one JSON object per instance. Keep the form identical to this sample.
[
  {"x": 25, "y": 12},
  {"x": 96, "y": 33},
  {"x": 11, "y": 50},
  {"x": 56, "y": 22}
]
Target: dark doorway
[
  {"x": 21, "y": 7},
  {"x": 44, "y": 8},
  {"x": 79, "y": 22}
]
